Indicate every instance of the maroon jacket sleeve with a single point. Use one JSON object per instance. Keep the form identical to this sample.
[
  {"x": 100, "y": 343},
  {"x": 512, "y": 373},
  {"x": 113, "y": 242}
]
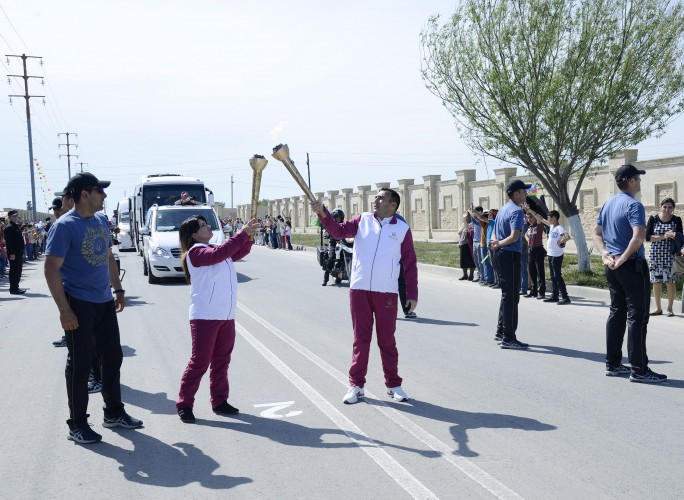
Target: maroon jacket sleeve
[
  {"x": 410, "y": 263},
  {"x": 339, "y": 230},
  {"x": 236, "y": 247}
]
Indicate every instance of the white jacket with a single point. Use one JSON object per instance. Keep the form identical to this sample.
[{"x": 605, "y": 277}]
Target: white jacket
[{"x": 213, "y": 289}]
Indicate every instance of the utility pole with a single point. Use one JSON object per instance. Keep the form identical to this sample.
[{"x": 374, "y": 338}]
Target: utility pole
[
  {"x": 308, "y": 170},
  {"x": 26, "y": 96},
  {"x": 68, "y": 145},
  {"x": 81, "y": 164},
  {"x": 231, "y": 191}
]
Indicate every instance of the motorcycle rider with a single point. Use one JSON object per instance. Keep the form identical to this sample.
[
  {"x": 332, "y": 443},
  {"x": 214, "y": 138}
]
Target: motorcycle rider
[{"x": 338, "y": 215}]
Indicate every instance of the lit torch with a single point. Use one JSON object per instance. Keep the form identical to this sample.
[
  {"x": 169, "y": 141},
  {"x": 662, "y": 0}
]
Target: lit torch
[{"x": 282, "y": 152}]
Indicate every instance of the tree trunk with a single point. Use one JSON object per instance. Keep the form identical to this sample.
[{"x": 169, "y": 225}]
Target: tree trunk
[{"x": 578, "y": 236}]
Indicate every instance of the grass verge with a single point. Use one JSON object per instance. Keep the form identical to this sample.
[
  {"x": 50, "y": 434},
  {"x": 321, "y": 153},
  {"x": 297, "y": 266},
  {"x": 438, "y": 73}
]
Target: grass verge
[{"x": 447, "y": 254}]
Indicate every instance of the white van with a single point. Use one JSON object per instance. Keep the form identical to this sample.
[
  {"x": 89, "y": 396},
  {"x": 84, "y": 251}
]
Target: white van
[
  {"x": 123, "y": 223},
  {"x": 161, "y": 243}
]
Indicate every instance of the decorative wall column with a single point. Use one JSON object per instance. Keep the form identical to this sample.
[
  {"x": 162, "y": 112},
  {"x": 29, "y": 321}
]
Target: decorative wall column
[
  {"x": 346, "y": 201},
  {"x": 405, "y": 206},
  {"x": 503, "y": 177},
  {"x": 332, "y": 204},
  {"x": 464, "y": 178},
  {"x": 295, "y": 210},
  {"x": 432, "y": 207},
  {"x": 363, "y": 198}
]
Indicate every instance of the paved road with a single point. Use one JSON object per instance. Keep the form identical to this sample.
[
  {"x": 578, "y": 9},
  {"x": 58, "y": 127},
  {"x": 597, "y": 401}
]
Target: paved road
[{"x": 482, "y": 422}]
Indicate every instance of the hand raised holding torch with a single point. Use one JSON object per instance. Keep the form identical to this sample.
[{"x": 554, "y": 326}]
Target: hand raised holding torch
[{"x": 282, "y": 153}]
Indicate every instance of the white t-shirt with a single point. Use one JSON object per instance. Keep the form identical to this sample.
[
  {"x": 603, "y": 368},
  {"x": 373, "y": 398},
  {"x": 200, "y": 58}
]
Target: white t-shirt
[{"x": 552, "y": 248}]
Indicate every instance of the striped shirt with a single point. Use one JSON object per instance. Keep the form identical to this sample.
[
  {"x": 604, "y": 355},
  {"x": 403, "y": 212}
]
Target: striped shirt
[{"x": 534, "y": 235}]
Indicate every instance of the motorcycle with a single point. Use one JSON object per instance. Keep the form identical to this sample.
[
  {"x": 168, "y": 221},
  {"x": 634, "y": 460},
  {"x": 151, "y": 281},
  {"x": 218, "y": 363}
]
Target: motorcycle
[{"x": 340, "y": 268}]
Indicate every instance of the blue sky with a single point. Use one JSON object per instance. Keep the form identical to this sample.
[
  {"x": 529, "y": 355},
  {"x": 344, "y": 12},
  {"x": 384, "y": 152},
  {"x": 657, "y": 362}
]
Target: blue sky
[{"x": 199, "y": 87}]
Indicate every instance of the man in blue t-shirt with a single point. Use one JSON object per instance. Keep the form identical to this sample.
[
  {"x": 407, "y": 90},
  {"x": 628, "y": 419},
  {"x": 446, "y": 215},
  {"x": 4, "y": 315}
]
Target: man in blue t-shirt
[
  {"x": 79, "y": 268},
  {"x": 619, "y": 237},
  {"x": 507, "y": 245}
]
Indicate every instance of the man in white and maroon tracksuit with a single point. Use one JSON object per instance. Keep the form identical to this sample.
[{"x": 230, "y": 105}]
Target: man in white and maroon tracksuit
[{"x": 381, "y": 243}]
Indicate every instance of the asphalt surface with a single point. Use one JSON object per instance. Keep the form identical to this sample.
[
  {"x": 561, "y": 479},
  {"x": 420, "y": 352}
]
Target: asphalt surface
[{"x": 481, "y": 422}]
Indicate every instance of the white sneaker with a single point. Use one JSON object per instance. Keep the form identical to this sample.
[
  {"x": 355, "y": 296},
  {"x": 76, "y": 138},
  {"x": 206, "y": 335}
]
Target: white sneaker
[
  {"x": 353, "y": 395},
  {"x": 397, "y": 393}
]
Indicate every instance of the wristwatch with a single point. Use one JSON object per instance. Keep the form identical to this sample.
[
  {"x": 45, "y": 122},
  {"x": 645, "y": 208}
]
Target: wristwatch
[{"x": 121, "y": 291}]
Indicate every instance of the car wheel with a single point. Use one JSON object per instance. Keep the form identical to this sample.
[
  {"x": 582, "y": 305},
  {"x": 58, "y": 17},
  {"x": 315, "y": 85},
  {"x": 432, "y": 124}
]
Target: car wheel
[{"x": 151, "y": 278}]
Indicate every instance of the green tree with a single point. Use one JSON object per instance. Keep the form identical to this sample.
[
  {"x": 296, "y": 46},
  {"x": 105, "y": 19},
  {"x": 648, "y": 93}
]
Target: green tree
[{"x": 556, "y": 86}]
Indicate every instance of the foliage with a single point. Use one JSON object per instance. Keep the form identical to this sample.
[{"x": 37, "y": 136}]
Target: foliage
[{"x": 554, "y": 86}]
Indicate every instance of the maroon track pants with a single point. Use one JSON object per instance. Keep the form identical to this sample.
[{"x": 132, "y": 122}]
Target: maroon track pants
[
  {"x": 383, "y": 306},
  {"x": 212, "y": 344}
]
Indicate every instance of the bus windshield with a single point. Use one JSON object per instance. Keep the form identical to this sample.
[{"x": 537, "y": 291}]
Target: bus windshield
[
  {"x": 170, "y": 220},
  {"x": 169, "y": 194}
]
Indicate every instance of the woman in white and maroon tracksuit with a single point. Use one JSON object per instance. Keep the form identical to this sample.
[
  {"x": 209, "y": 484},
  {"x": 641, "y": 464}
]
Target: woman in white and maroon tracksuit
[
  {"x": 213, "y": 301},
  {"x": 381, "y": 243}
]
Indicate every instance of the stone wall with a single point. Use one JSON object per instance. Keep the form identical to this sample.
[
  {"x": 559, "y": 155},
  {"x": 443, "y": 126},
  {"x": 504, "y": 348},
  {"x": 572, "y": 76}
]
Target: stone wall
[{"x": 434, "y": 207}]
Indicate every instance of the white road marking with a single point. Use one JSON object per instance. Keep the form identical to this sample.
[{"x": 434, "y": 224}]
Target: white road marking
[
  {"x": 274, "y": 408},
  {"x": 467, "y": 467},
  {"x": 393, "y": 468}
]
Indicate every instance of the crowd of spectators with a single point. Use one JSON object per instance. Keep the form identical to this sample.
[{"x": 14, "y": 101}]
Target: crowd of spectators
[{"x": 544, "y": 242}]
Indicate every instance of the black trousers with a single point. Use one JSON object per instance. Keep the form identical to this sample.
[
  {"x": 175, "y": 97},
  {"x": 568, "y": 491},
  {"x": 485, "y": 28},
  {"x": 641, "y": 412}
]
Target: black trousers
[
  {"x": 557, "y": 281},
  {"x": 535, "y": 263},
  {"x": 509, "y": 279},
  {"x": 630, "y": 298},
  {"x": 15, "y": 272},
  {"x": 98, "y": 327},
  {"x": 402, "y": 289}
]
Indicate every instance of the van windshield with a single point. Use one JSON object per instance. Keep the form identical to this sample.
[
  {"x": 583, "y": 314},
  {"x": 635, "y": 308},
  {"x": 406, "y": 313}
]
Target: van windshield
[
  {"x": 170, "y": 194},
  {"x": 170, "y": 220},
  {"x": 123, "y": 217}
]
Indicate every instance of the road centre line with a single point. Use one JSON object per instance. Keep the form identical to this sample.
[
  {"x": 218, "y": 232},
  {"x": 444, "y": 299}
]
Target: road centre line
[
  {"x": 467, "y": 467},
  {"x": 392, "y": 468}
]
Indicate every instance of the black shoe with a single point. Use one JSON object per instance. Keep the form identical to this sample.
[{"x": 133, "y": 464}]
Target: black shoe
[
  {"x": 124, "y": 420},
  {"x": 541, "y": 296},
  {"x": 186, "y": 415},
  {"x": 496, "y": 286},
  {"x": 616, "y": 371},
  {"x": 551, "y": 299},
  {"x": 499, "y": 337},
  {"x": 225, "y": 409},
  {"x": 83, "y": 434},
  {"x": 325, "y": 283},
  {"x": 648, "y": 377},
  {"x": 60, "y": 343},
  {"x": 563, "y": 301},
  {"x": 17, "y": 292},
  {"x": 514, "y": 344},
  {"x": 463, "y": 278},
  {"x": 530, "y": 294}
]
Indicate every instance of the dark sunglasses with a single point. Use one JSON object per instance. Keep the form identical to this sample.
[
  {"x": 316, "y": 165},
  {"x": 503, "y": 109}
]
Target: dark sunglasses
[{"x": 98, "y": 189}]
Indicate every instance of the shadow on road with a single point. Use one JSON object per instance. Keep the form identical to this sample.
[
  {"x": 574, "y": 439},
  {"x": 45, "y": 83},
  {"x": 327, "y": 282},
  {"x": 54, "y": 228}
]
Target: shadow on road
[
  {"x": 158, "y": 402},
  {"x": 155, "y": 463},
  {"x": 286, "y": 432},
  {"x": 465, "y": 420},
  {"x": 133, "y": 300},
  {"x": 243, "y": 278},
  {"x": 574, "y": 353},
  {"x": 128, "y": 352},
  {"x": 438, "y": 322}
]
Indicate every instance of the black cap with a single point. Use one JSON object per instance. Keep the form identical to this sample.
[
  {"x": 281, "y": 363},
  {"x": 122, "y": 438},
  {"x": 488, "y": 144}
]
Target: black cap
[
  {"x": 84, "y": 180},
  {"x": 56, "y": 203},
  {"x": 11, "y": 213},
  {"x": 516, "y": 184},
  {"x": 627, "y": 172}
]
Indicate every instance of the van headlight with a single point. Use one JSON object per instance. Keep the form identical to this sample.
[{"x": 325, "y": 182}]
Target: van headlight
[
  {"x": 160, "y": 252},
  {"x": 122, "y": 233}
]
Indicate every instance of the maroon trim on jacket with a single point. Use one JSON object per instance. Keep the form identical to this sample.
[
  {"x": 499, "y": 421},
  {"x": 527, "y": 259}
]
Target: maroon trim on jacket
[{"x": 233, "y": 248}]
